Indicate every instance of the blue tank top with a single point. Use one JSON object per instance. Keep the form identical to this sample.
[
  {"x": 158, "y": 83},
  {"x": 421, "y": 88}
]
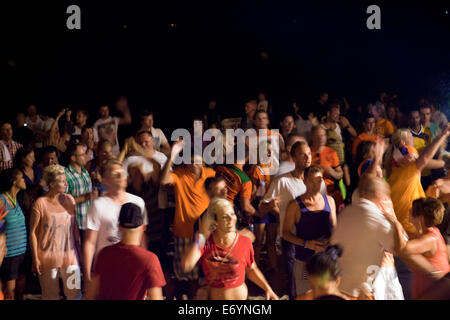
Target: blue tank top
[
  {"x": 15, "y": 229},
  {"x": 313, "y": 225}
]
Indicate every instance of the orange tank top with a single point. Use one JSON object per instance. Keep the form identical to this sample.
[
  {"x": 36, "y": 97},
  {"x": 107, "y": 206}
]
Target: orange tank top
[{"x": 439, "y": 260}]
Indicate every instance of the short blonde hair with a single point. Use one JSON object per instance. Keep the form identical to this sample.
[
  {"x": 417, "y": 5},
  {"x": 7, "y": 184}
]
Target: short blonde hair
[
  {"x": 216, "y": 205},
  {"x": 52, "y": 172}
]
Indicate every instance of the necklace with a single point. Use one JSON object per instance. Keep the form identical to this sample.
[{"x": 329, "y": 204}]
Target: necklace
[{"x": 14, "y": 202}]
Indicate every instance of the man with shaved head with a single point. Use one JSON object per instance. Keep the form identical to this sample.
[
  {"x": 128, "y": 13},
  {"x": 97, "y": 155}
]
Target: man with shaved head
[{"x": 365, "y": 234}]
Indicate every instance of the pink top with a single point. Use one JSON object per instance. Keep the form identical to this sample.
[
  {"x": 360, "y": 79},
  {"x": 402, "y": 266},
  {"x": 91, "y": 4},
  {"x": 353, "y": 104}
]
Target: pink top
[
  {"x": 55, "y": 232},
  {"x": 439, "y": 260}
]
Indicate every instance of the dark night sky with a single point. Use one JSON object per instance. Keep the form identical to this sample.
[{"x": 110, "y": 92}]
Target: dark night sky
[{"x": 215, "y": 50}]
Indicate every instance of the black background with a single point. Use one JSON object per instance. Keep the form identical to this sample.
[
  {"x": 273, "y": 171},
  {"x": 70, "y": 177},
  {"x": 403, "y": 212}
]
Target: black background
[{"x": 226, "y": 50}]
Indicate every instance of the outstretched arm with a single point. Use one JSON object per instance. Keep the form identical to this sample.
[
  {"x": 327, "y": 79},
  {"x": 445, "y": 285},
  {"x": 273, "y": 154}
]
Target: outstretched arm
[
  {"x": 430, "y": 151},
  {"x": 166, "y": 178}
]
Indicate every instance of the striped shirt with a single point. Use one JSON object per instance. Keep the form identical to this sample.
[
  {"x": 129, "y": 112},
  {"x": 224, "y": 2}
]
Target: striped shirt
[
  {"x": 16, "y": 231},
  {"x": 78, "y": 185},
  {"x": 12, "y": 148}
]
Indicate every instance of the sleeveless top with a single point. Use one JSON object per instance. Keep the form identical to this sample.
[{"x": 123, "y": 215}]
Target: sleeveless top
[
  {"x": 439, "y": 260},
  {"x": 312, "y": 225},
  {"x": 15, "y": 229}
]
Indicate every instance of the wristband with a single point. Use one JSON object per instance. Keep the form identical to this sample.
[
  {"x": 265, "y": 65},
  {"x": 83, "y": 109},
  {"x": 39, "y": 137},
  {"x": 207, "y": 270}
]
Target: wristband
[
  {"x": 200, "y": 240},
  {"x": 304, "y": 243}
]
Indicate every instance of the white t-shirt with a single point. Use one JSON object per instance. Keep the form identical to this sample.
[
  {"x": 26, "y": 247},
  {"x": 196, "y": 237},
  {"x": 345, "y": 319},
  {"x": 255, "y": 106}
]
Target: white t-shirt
[
  {"x": 285, "y": 167},
  {"x": 107, "y": 129},
  {"x": 364, "y": 233},
  {"x": 304, "y": 128},
  {"x": 286, "y": 187},
  {"x": 47, "y": 124},
  {"x": 159, "y": 138},
  {"x": 103, "y": 217},
  {"x": 147, "y": 166},
  {"x": 38, "y": 124}
]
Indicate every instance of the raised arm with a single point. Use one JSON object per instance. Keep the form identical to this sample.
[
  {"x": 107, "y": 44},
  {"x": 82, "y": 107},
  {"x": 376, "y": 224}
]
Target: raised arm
[
  {"x": 194, "y": 252},
  {"x": 166, "y": 178},
  {"x": 122, "y": 106},
  {"x": 430, "y": 151}
]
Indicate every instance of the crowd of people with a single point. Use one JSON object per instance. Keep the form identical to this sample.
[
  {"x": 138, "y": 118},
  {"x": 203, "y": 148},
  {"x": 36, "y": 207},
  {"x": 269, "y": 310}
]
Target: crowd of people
[{"x": 357, "y": 208}]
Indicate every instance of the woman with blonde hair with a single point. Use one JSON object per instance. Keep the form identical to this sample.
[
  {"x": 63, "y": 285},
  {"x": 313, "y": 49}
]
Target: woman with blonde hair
[
  {"x": 403, "y": 166},
  {"x": 54, "y": 238},
  {"x": 225, "y": 256}
]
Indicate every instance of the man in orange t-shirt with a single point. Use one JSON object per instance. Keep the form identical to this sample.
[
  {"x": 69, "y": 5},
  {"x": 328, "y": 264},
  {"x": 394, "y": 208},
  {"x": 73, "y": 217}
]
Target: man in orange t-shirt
[
  {"x": 383, "y": 127},
  {"x": 325, "y": 157},
  {"x": 191, "y": 200},
  {"x": 367, "y": 135}
]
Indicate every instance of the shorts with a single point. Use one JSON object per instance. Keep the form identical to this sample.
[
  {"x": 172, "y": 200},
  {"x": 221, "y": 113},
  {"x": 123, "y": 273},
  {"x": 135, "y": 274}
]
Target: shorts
[
  {"x": 270, "y": 218},
  {"x": 180, "y": 247},
  {"x": 12, "y": 267},
  {"x": 300, "y": 277}
]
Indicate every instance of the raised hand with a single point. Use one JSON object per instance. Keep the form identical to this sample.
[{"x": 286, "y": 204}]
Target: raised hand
[{"x": 177, "y": 147}]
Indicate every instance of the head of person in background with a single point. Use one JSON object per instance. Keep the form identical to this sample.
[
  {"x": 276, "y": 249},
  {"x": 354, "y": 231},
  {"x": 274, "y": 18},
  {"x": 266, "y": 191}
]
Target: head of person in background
[
  {"x": 55, "y": 178},
  {"x": 425, "y": 115},
  {"x": 426, "y": 213},
  {"x": 32, "y": 111},
  {"x": 378, "y": 110},
  {"x": 77, "y": 155},
  {"x": 414, "y": 120},
  {"x": 318, "y": 137},
  {"x": 216, "y": 187},
  {"x": 81, "y": 118},
  {"x": 301, "y": 155},
  {"x": 365, "y": 155},
  {"x": 292, "y": 139},
  {"x": 20, "y": 120},
  {"x": 6, "y": 131},
  {"x": 334, "y": 112},
  {"x": 324, "y": 273},
  {"x": 287, "y": 125},
  {"x": 104, "y": 151},
  {"x": 250, "y": 108},
  {"x": 24, "y": 158},
  {"x": 146, "y": 141},
  {"x": 369, "y": 123},
  {"x": 87, "y": 136},
  {"x": 113, "y": 176},
  {"x": 50, "y": 156},
  {"x": 392, "y": 113},
  {"x": 212, "y": 104},
  {"x": 104, "y": 112},
  {"x": 261, "y": 120},
  {"x": 374, "y": 189},
  {"x": 313, "y": 179},
  {"x": 147, "y": 121},
  {"x": 262, "y": 96},
  {"x": 323, "y": 98}
]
